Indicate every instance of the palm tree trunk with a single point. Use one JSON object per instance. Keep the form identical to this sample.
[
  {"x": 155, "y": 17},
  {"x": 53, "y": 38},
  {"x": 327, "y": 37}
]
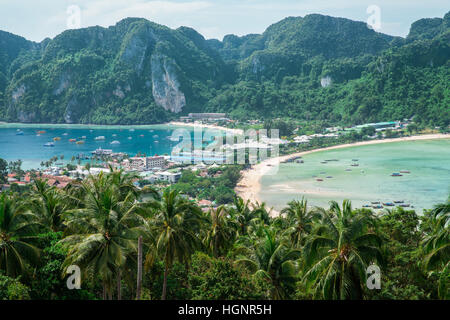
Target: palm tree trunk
[
  {"x": 166, "y": 272},
  {"x": 119, "y": 285},
  {"x": 139, "y": 270},
  {"x": 104, "y": 291}
]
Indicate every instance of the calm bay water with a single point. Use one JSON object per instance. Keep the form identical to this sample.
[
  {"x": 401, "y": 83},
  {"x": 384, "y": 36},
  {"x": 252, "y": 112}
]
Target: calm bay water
[
  {"x": 426, "y": 185},
  {"x": 29, "y": 147}
]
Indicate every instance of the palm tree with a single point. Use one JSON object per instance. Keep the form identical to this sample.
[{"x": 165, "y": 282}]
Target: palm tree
[
  {"x": 300, "y": 220},
  {"x": 273, "y": 260},
  {"x": 436, "y": 246},
  {"x": 242, "y": 214},
  {"x": 103, "y": 231},
  {"x": 338, "y": 254},
  {"x": 175, "y": 223},
  {"x": 48, "y": 203},
  {"x": 221, "y": 231},
  {"x": 16, "y": 233}
]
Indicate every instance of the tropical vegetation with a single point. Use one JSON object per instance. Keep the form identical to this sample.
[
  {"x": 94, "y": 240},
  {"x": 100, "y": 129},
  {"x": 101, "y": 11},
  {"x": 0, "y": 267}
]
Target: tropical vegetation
[{"x": 233, "y": 251}]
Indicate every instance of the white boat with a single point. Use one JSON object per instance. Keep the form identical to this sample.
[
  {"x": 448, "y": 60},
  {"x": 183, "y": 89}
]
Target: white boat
[
  {"x": 114, "y": 135},
  {"x": 65, "y": 134},
  {"x": 99, "y": 138},
  {"x": 129, "y": 138},
  {"x": 115, "y": 142},
  {"x": 49, "y": 144}
]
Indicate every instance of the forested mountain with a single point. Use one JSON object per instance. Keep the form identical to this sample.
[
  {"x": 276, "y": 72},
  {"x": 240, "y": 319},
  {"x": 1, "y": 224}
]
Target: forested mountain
[{"x": 313, "y": 68}]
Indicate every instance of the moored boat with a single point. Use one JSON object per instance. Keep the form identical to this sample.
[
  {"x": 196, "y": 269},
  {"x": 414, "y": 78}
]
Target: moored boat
[
  {"x": 396, "y": 174},
  {"x": 49, "y": 144},
  {"x": 99, "y": 138},
  {"x": 80, "y": 142}
]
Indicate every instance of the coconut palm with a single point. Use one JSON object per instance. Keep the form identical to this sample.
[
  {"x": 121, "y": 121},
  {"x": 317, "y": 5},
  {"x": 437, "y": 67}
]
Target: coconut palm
[
  {"x": 175, "y": 223},
  {"x": 436, "y": 246},
  {"x": 48, "y": 204},
  {"x": 103, "y": 232},
  {"x": 221, "y": 231},
  {"x": 272, "y": 259},
  {"x": 339, "y": 252},
  {"x": 300, "y": 220},
  {"x": 16, "y": 234},
  {"x": 243, "y": 215}
]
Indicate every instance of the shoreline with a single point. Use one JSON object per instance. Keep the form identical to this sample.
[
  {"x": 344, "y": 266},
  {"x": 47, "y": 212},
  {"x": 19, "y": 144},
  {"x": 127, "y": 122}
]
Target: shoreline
[
  {"x": 115, "y": 126},
  {"x": 249, "y": 185},
  {"x": 201, "y": 125}
]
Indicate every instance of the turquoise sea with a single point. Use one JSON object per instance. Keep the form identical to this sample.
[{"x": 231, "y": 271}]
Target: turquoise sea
[
  {"x": 29, "y": 147},
  {"x": 427, "y": 184}
]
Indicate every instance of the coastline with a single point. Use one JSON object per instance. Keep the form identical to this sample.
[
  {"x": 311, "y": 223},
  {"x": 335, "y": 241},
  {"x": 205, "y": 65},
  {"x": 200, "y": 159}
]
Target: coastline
[
  {"x": 209, "y": 126},
  {"x": 249, "y": 185}
]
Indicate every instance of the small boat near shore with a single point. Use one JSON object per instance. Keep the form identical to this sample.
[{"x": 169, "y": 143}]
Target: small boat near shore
[
  {"x": 56, "y": 139},
  {"x": 115, "y": 142},
  {"x": 399, "y": 202},
  {"x": 388, "y": 204},
  {"x": 80, "y": 142},
  {"x": 19, "y": 133},
  {"x": 405, "y": 205},
  {"x": 379, "y": 206},
  {"x": 405, "y": 171},
  {"x": 319, "y": 180},
  {"x": 99, "y": 138},
  {"x": 49, "y": 144},
  {"x": 396, "y": 174}
]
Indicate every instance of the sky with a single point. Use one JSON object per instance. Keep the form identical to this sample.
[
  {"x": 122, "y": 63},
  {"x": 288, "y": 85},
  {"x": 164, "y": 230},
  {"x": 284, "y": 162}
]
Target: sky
[{"x": 36, "y": 20}]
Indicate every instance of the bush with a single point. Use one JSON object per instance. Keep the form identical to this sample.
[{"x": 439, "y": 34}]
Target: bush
[{"x": 13, "y": 289}]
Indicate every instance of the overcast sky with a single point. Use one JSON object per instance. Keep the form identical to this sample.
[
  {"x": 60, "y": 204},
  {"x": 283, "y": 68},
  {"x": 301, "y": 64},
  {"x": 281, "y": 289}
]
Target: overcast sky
[{"x": 36, "y": 20}]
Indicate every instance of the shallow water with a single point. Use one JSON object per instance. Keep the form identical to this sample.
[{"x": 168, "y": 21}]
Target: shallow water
[
  {"x": 29, "y": 147},
  {"x": 426, "y": 185}
]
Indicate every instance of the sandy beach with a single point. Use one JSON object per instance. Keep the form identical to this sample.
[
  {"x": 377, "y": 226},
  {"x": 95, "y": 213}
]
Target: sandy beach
[
  {"x": 209, "y": 126},
  {"x": 250, "y": 184}
]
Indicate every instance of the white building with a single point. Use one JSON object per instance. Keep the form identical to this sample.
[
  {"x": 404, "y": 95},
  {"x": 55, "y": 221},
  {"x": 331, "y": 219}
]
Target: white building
[
  {"x": 144, "y": 163},
  {"x": 171, "y": 177}
]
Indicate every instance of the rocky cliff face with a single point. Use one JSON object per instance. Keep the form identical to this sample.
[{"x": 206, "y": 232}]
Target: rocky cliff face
[{"x": 166, "y": 87}]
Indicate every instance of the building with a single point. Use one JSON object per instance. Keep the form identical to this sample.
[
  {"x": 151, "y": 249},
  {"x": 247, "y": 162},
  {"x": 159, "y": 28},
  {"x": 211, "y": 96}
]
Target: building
[
  {"x": 155, "y": 162},
  {"x": 144, "y": 163},
  {"x": 171, "y": 177},
  {"x": 207, "y": 116}
]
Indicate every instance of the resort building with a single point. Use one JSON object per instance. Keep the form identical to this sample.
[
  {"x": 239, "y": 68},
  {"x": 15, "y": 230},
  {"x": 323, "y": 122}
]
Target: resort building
[
  {"x": 207, "y": 116},
  {"x": 171, "y": 177},
  {"x": 144, "y": 163}
]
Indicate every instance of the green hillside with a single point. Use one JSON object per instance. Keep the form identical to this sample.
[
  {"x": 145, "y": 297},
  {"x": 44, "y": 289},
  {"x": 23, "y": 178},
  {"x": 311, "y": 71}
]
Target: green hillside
[{"x": 312, "y": 68}]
